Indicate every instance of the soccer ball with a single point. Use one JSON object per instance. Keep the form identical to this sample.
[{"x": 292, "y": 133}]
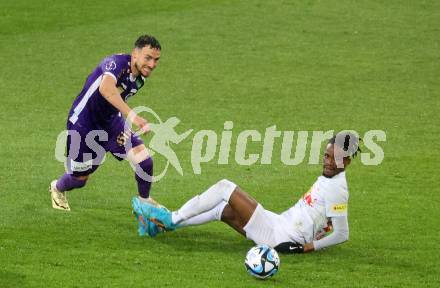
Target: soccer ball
[{"x": 262, "y": 261}]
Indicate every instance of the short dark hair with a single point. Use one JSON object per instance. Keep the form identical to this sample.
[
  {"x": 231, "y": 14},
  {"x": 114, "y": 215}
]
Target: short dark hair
[
  {"x": 350, "y": 144},
  {"x": 147, "y": 40}
]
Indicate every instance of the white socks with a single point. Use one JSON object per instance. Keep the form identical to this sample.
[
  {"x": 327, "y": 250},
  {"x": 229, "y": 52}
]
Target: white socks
[
  {"x": 215, "y": 195},
  {"x": 215, "y": 214}
]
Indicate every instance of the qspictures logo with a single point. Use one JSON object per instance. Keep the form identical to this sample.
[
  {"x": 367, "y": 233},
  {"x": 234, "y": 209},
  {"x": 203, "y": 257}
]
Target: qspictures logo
[{"x": 209, "y": 145}]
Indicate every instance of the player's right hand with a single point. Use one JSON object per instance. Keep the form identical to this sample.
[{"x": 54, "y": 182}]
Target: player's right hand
[{"x": 141, "y": 124}]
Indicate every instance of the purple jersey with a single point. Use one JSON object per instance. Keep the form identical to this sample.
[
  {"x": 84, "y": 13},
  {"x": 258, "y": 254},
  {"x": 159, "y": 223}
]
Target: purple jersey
[{"x": 90, "y": 108}]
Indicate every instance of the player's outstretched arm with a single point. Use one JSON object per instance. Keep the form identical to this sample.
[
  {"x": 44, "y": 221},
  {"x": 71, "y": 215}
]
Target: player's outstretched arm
[
  {"x": 339, "y": 235},
  {"x": 109, "y": 91}
]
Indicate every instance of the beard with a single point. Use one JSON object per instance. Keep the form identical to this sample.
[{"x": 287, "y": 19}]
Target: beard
[{"x": 139, "y": 69}]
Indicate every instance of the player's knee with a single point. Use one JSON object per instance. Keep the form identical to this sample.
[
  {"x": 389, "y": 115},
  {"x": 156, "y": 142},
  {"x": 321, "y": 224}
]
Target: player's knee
[
  {"x": 225, "y": 184},
  {"x": 138, "y": 154},
  {"x": 225, "y": 188}
]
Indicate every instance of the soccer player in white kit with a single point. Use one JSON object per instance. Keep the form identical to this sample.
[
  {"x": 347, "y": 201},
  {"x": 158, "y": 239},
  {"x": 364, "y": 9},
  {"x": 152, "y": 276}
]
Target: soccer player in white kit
[{"x": 317, "y": 220}]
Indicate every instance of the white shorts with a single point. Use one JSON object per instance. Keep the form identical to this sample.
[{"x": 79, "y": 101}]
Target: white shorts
[{"x": 266, "y": 227}]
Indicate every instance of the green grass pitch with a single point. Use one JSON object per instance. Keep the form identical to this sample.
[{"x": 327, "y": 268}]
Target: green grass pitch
[{"x": 300, "y": 65}]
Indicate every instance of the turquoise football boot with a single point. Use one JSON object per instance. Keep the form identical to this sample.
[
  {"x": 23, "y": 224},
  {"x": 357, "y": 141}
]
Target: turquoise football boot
[
  {"x": 145, "y": 226},
  {"x": 161, "y": 217}
]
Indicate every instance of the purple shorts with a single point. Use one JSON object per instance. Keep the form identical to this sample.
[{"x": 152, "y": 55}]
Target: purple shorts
[{"x": 88, "y": 144}]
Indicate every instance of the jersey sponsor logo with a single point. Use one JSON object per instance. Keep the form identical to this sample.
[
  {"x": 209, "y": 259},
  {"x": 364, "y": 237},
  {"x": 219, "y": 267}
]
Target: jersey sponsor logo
[
  {"x": 308, "y": 197},
  {"x": 110, "y": 66},
  {"x": 339, "y": 208}
]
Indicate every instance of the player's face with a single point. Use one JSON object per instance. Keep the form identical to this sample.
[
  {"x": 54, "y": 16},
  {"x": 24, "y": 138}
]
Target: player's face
[
  {"x": 330, "y": 167},
  {"x": 145, "y": 60}
]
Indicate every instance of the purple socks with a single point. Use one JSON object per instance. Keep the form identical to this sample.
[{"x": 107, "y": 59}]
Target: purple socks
[
  {"x": 67, "y": 182},
  {"x": 144, "y": 175}
]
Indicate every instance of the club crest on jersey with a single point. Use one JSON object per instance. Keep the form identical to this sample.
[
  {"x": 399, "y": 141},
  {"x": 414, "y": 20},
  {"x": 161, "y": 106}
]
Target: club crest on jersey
[
  {"x": 110, "y": 66},
  {"x": 122, "y": 138}
]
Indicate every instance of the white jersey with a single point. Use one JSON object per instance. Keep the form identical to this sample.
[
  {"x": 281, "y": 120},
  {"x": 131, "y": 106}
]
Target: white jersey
[{"x": 328, "y": 197}]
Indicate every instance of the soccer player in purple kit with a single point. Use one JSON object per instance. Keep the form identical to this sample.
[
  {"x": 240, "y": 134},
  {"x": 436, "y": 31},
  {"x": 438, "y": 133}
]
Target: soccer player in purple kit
[{"x": 96, "y": 122}]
